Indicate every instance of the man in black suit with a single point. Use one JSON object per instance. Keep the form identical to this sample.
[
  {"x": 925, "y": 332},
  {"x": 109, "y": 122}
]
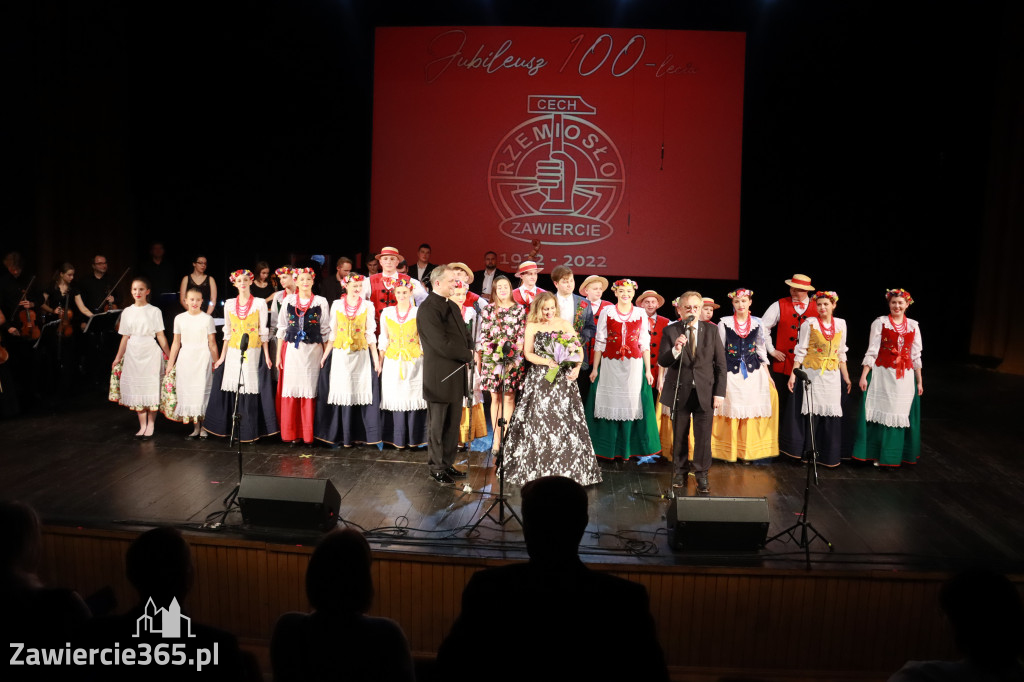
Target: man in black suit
[
  {"x": 554, "y": 605},
  {"x": 483, "y": 279},
  {"x": 694, "y": 357},
  {"x": 421, "y": 269},
  {"x": 447, "y": 350}
]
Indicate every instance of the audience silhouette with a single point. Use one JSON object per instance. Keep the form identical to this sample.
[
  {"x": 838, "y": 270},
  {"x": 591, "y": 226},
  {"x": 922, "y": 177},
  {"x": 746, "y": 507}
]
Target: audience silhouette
[
  {"x": 985, "y": 612},
  {"x": 159, "y": 567},
  {"x": 338, "y": 641},
  {"x": 545, "y": 619},
  {"x": 30, "y": 613}
]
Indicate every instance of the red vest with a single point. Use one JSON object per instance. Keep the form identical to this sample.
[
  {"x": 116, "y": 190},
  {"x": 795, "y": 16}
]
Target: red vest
[
  {"x": 623, "y": 345},
  {"x": 787, "y": 332},
  {"x": 894, "y": 352},
  {"x": 380, "y": 296},
  {"x": 517, "y": 296}
]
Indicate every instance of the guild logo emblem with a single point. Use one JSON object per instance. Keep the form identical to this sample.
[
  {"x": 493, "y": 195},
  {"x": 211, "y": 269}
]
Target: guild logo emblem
[{"x": 557, "y": 177}]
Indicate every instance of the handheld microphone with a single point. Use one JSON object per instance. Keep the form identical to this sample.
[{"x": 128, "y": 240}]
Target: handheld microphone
[
  {"x": 507, "y": 349},
  {"x": 801, "y": 375},
  {"x": 243, "y": 345},
  {"x": 688, "y": 320}
]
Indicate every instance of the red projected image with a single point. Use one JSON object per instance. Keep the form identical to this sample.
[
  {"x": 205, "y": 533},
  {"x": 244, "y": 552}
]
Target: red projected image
[{"x": 619, "y": 151}]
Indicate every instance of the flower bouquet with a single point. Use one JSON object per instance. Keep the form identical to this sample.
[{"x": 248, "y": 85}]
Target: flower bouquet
[
  {"x": 564, "y": 348},
  {"x": 169, "y": 395}
]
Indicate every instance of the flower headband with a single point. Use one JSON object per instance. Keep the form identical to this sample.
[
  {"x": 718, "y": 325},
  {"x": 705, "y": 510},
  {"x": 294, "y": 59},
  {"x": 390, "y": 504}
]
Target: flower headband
[
  {"x": 902, "y": 293},
  {"x": 239, "y": 273},
  {"x": 403, "y": 280},
  {"x": 303, "y": 271},
  {"x": 749, "y": 293},
  {"x": 354, "y": 277},
  {"x": 283, "y": 271},
  {"x": 625, "y": 283},
  {"x": 458, "y": 284},
  {"x": 830, "y": 295}
]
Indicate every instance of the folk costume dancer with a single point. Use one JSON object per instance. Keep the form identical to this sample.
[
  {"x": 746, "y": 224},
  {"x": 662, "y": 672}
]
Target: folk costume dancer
[
  {"x": 620, "y": 411},
  {"x": 403, "y": 413},
  {"x": 143, "y": 349},
  {"x": 348, "y": 395},
  {"x": 381, "y": 292},
  {"x": 303, "y": 327},
  {"x": 821, "y": 353},
  {"x": 746, "y": 428},
  {"x": 244, "y": 315},
  {"x": 189, "y": 375},
  {"x": 787, "y": 314},
  {"x": 527, "y": 289},
  {"x": 889, "y": 433}
]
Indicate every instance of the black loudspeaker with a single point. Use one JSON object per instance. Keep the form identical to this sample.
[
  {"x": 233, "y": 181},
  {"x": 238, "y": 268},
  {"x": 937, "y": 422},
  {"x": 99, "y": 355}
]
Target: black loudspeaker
[
  {"x": 285, "y": 502},
  {"x": 720, "y": 523}
]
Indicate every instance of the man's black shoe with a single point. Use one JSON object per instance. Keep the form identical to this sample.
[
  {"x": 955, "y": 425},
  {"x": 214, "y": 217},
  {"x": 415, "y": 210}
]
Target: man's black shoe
[
  {"x": 455, "y": 473},
  {"x": 702, "y": 483},
  {"x": 442, "y": 477}
]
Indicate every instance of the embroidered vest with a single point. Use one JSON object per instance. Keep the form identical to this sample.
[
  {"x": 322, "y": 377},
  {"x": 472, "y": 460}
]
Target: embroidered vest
[
  {"x": 823, "y": 354},
  {"x": 623, "y": 340},
  {"x": 741, "y": 351},
  {"x": 895, "y": 351},
  {"x": 788, "y": 332},
  {"x": 350, "y": 334},
  {"x": 240, "y": 327},
  {"x": 311, "y": 325},
  {"x": 380, "y": 296}
]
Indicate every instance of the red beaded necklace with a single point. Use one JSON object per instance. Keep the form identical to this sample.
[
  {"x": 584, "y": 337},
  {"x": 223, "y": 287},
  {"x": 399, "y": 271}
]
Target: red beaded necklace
[
  {"x": 742, "y": 329},
  {"x": 900, "y": 329},
  {"x": 242, "y": 310},
  {"x": 350, "y": 311},
  {"x": 299, "y": 307},
  {"x": 402, "y": 318},
  {"x": 629, "y": 314},
  {"x": 828, "y": 332}
]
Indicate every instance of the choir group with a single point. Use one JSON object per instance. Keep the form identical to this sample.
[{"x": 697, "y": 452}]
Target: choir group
[{"x": 349, "y": 370}]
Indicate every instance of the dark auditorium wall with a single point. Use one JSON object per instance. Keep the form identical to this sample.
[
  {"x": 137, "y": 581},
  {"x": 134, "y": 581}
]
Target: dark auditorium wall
[{"x": 243, "y": 129}]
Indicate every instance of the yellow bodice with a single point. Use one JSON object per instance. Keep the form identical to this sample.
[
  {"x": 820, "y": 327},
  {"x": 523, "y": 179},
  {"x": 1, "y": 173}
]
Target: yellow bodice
[
  {"x": 239, "y": 327},
  {"x": 821, "y": 353},
  {"x": 350, "y": 334},
  {"x": 403, "y": 340}
]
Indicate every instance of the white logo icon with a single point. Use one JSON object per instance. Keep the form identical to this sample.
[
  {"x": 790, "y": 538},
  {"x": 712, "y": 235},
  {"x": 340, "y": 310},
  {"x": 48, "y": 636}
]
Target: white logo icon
[{"x": 166, "y": 622}]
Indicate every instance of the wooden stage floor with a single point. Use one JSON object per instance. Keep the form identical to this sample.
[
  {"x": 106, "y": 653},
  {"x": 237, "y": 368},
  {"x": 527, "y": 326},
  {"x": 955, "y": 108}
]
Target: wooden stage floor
[{"x": 962, "y": 504}]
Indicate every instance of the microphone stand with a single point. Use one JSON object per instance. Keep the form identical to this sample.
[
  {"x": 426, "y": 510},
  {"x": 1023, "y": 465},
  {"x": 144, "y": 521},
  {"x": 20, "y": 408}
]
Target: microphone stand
[
  {"x": 811, "y": 455},
  {"x": 500, "y": 500},
  {"x": 231, "y": 500}
]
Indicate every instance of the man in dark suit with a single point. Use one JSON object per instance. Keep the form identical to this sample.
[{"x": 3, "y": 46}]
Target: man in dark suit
[
  {"x": 694, "y": 357},
  {"x": 484, "y": 279},
  {"x": 447, "y": 350},
  {"x": 553, "y": 605}
]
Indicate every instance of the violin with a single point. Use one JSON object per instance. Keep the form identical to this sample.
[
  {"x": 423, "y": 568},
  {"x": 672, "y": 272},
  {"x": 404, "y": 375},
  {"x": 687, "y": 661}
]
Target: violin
[
  {"x": 27, "y": 317},
  {"x": 65, "y": 328}
]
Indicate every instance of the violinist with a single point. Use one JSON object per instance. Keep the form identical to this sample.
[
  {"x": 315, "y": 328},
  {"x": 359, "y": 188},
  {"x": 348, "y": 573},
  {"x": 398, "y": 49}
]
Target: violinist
[
  {"x": 64, "y": 299},
  {"x": 20, "y": 300},
  {"x": 98, "y": 288},
  {"x": 97, "y": 291},
  {"x": 17, "y": 295}
]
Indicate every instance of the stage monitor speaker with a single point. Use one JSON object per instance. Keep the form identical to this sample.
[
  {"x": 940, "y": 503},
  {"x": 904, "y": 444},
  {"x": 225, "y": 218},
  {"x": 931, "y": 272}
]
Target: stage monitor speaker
[
  {"x": 718, "y": 523},
  {"x": 286, "y": 502}
]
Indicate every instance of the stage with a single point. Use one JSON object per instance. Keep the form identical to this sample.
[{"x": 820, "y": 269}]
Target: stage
[{"x": 896, "y": 533}]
